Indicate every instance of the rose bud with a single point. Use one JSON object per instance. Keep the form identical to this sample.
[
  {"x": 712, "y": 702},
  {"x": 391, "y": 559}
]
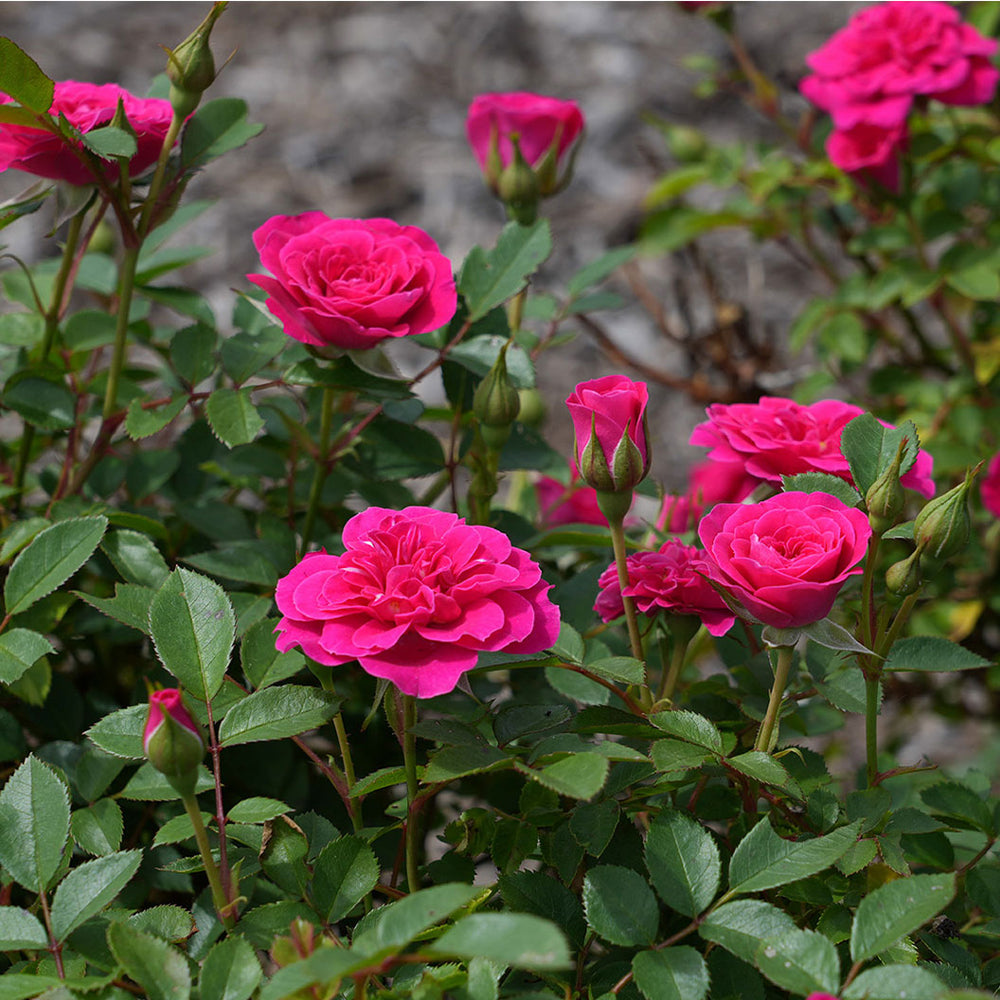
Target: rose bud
[
  {"x": 942, "y": 527},
  {"x": 518, "y": 188},
  {"x": 496, "y": 403},
  {"x": 903, "y": 578},
  {"x": 172, "y": 740},
  {"x": 191, "y": 66},
  {"x": 885, "y": 498}
]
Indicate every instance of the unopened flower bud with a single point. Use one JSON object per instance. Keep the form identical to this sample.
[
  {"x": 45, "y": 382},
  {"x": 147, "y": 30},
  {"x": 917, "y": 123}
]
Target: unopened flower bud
[
  {"x": 496, "y": 403},
  {"x": 942, "y": 527},
  {"x": 172, "y": 740},
  {"x": 518, "y": 188},
  {"x": 191, "y": 66},
  {"x": 533, "y": 408},
  {"x": 903, "y": 578},
  {"x": 885, "y": 498}
]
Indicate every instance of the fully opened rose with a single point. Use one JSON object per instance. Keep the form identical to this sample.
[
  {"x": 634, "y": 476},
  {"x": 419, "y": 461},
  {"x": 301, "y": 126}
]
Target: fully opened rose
[
  {"x": 673, "y": 578},
  {"x": 416, "y": 596},
  {"x": 777, "y": 437},
  {"x": 352, "y": 283},
  {"x": 785, "y": 559},
  {"x": 86, "y": 106}
]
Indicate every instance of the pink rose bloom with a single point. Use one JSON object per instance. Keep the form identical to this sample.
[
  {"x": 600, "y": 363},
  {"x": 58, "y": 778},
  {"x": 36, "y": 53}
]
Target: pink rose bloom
[
  {"x": 786, "y": 558},
  {"x": 351, "y": 283},
  {"x": 86, "y": 106},
  {"x": 889, "y": 54},
  {"x": 710, "y": 483},
  {"x": 167, "y": 702},
  {"x": 415, "y": 597},
  {"x": 821, "y": 996},
  {"x": 870, "y": 151},
  {"x": 537, "y": 121},
  {"x": 989, "y": 488},
  {"x": 562, "y": 504},
  {"x": 613, "y": 408},
  {"x": 670, "y": 579},
  {"x": 777, "y": 437}
]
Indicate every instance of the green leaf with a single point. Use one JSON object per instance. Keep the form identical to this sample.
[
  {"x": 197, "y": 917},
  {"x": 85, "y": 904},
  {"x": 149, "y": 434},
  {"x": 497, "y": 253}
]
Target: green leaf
[
  {"x": 34, "y": 824},
  {"x": 275, "y": 713},
  {"x": 871, "y": 448},
  {"x": 216, "y": 128},
  {"x": 89, "y": 887},
  {"x": 740, "y": 926},
  {"x": 233, "y": 417},
  {"x": 960, "y": 805},
  {"x": 800, "y": 961},
  {"x": 580, "y": 776},
  {"x": 168, "y": 922},
  {"x": 23, "y": 80},
  {"x": 929, "y": 652},
  {"x": 763, "y": 767},
  {"x": 130, "y": 605},
  {"x": 18, "y": 534},
  {"x": 193, "y": 628},
  {"x": 394, "y": 926},
  {"x": 478, "y": 355},
  {"x": 619, "y": 668},
  {"x": 120, "y": 733},
  {"x": 545, "y": 896},
  {"x": 519, "y": 940},
  {"x": 326, "y": 966},
  {"x": 671, "y": 974},
  {"x": 620, "y": 906},
  {"x": 569, "y": 646},
  {"x": 455, "y": 762},
  {"x": 136, "y": 558},
  {"x": 230, "y": 971},
  {"x": 160, "y": 969},
  {"x": 896, "y": 909},
  {"x": 19, "y": 649},
  {"x": 148, "y": 785},
  {"x": 21, "y": 931},
  {"x": 110, "y": 141},
  {"x": 830, "y": 635},
  {"x": 21, "y": 985},
  {"x": 822, "y": 482},
  {"x": 46, "y": 403},
  {"x": 683, "y": 862},
  {"x": 262, "y": 663},
  {"x": 597, "y": 270},
  {"x": 142, "y": 423},
  {"x": 257, "y": 810},
  {"x": 343, "y": 874},
  {"x": 763, "y": 860},
  {"x": 488, "y": 279},
  {"x": 891, "y": 982},
  {"x": 50, "y": 560},
  {"x": 98, "y": 828},
  {"x": 676, "y": 755},
  {"x": 691, "y": 728},
  {"x": 244, "y": 353},
  {"x": 244, "y": 562}
]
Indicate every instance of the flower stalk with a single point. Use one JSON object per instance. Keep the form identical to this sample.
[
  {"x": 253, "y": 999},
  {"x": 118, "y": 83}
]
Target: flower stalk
[{"x": 767, "y": 735}]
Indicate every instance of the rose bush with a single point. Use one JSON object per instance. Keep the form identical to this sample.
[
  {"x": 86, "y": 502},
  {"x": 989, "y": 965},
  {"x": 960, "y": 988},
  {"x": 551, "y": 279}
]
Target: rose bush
[
  {"x": 352, "y": 283},
  {"x": 868, "y": 75},
  {"x": 785, "y": 559},
  {"x": 539, "y": 123},
  {"x": 673, "y": 578},
  {"x": 777, "y": 437},
  {"x": 416, "y": 596},
  {"x": 86, "y": 106},
  {"x": 613, "y": 410}
]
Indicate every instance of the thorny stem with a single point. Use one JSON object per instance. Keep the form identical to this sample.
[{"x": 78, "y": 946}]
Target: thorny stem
[
  {"x": 55, "y": 948},
  {"x": 767, "y": 727},
  {"x": 345, "y": 753},
  {"x": 220, "y": 811},
  {"x": 126, "y": 286},
  {"x": 872, "y": 685},
  {"x": 410, "y": 765},
  {"x": 204, "y": 848},
  {"x": 618, "y": 543}
]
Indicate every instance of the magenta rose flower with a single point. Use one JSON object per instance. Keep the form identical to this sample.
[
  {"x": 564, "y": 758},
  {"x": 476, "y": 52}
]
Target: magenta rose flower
[
  {"x": 786, "y": 558},
  {"x": 416, "y": 596},
  {"x": 710, "y": 483},
  {"x": 673, "y": 578},
  {"x": 777, "y": 437},
  {"x": 539, "y": 123},
  {"x": 86, "y": 106},
  {"x": 351, "y": 283},
  {"x": 989, "y": 487},
  {"x": 613, "y": 410},
  {"x": 573, "y": 504},
  {"x": 870, "y": 151}
]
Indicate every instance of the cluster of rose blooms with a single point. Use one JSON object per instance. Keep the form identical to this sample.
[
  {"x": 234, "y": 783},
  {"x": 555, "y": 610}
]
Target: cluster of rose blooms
[
  {"x": 419, "y": 593},
  {"x": 888, "y": 59}
]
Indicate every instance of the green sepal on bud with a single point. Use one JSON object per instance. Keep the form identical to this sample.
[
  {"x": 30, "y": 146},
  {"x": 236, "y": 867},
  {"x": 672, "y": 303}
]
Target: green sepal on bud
[
  {"x": 627, "y": 467},
  {"x": 942, "y": 528},
  {"x": 496, "y": 403},
  {"x": 885, "y": 498},
  {"x": 191, "y": 66},
  {"x": 518, "y": 187},
  {"x": 903, "y": 578}
]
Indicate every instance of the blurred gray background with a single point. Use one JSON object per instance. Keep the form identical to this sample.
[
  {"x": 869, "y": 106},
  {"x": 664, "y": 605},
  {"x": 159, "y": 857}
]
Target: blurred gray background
[{"x": 364, "y": 106}]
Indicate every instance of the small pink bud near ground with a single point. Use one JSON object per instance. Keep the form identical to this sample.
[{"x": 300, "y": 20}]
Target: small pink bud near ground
[{"x": 172, "y": 740}]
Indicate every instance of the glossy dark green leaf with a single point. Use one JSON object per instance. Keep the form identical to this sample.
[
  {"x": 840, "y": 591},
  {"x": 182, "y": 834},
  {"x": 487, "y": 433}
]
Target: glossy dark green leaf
[
  {"x": 142, "y": 422},
  {"x": 19, "y": 649},
  {"x": 216, "y": 127},
  {"x": 275, "y": 713},
  {"x": 740, "y": 926},
  {"x": 931, "y": 653},
  {"x": 520, "y": 940},
  {"x": 620, "y": 906},
  {"x": 97, "y": 828},
  {"x": 22, "y": 79},
  {"x": 136, "y": 558},
  {"x": 89, "y": 887},
  {"x": 130, "y": 605},
  {"x": 343, "y": 874},
  {"x": 690, "y": 727},
  {"x": 580, "y": 776},
  {"x": 21, "y": 931},
  {"x": 683, "y": 862},
  {"x": 677, "y": 973},
  {"x": 160, "y": 969},
  {"x": 230, "y": 971},
  {"x": 870, "y": 448},
  {"x": 46, "y": 403},
  {"x": 233, "y": 417},
  {"x": 891, "y": 982},
  {"x": 800, "y": 961},
  {"x": 110, "y": 141}
]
